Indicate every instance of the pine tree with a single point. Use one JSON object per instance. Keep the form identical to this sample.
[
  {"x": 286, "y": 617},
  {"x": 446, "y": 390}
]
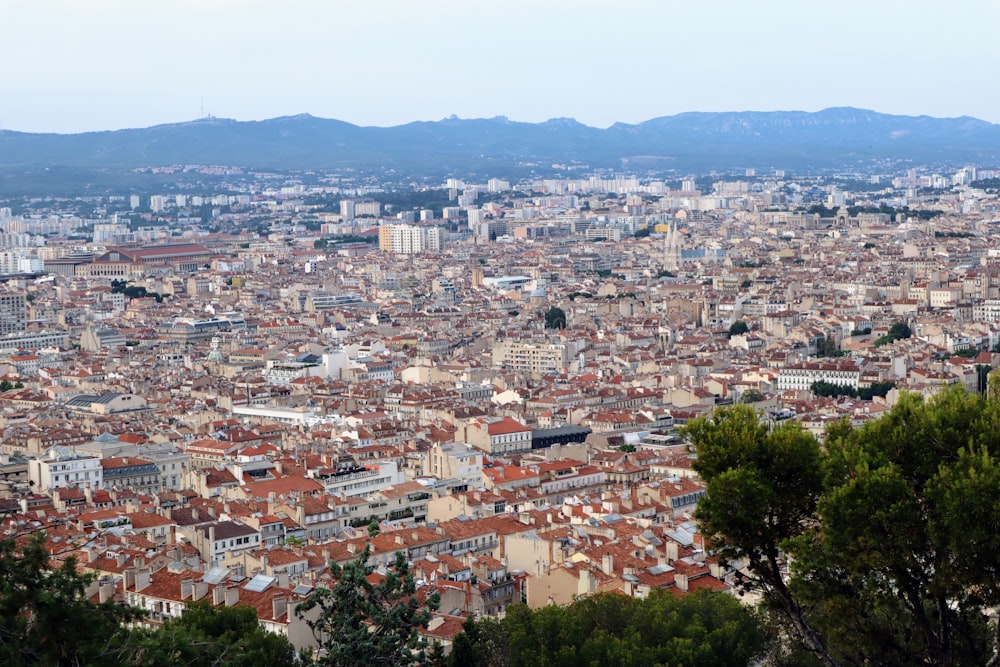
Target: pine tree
[{"x": 358, "y": 622}]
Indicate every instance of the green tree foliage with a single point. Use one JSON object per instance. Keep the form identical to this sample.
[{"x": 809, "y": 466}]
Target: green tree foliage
[
  {"x": 45, "y": 615},
  {"x": 898, "y": 331},
  {"x": 702, "y": 628},
  {"x": 828, "y": 348},
  {"x": 738, "y": 328},
  {"x": 762, "y": 486},
  {"x": 895, "y": 556},
  {"x": 481, "y": 643},
  {"x": 134, "y": 291},
  {"x": 207, "y": 635},
  {"x": 824, "y": 388},
  {"x": 751, "y": 396},
  {"x": 555, "y": 318},
  {"x": 357, "y": 622}
]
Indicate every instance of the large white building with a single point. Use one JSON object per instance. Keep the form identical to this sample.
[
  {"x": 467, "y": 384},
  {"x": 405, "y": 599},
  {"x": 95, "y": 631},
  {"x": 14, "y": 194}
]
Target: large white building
[
  {"x": 361, "y": 480},
  {"x": 845, "y": 373},
  {"x": 408, "y": 239},
  {"x": 62, "y": 467}
]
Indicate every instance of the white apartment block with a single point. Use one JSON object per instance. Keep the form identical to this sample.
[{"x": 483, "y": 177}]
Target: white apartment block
[
  {"x": 409, "y": 239},
  {"x": 801, "y": 376},
  {"x": 62, "y": 468},
  {"x": 986, "y": 311},
  {"x": 364, "y": 480}
]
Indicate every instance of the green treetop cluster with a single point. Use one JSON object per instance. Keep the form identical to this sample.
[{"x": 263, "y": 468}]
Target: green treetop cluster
[{"x": 881, "y": 547}]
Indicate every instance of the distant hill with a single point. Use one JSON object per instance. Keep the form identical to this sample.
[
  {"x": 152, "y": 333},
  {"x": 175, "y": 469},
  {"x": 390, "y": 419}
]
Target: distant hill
[{"x": 836, "y": 138}]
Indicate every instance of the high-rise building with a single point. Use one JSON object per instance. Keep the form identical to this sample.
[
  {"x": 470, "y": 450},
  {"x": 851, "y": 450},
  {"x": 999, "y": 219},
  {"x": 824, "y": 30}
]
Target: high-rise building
[
  {"x": 13, "y": 314},
  {"x": 347, "y": 208},
  {"x": 408, "y": 239}
]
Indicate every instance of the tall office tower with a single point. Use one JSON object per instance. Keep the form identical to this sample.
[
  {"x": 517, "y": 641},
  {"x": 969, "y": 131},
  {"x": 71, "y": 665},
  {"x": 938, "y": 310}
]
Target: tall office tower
[
  {"x": 133, "y": 202},
  {"x": 13, "y": 314}
]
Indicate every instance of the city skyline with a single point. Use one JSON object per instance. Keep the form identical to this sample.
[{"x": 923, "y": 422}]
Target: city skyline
[{"x": 110, "y": 65}]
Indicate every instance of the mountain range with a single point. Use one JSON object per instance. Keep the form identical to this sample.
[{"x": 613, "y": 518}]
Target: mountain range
[{"x": 838, "y": 138}]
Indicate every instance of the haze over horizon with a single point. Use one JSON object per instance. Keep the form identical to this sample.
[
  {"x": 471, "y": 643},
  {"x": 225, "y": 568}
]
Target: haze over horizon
[{"x": 113, "y": 64}]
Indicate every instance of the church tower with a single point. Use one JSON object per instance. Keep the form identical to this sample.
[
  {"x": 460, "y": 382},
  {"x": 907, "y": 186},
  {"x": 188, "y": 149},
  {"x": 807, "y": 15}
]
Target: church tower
[{"x": 672, "y": 249}]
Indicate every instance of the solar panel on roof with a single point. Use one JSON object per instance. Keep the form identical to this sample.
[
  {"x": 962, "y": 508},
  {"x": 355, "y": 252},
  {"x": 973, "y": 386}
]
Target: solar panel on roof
[
  {"x": 215, "y": 575},
  {"x": 260, "y": 583}
]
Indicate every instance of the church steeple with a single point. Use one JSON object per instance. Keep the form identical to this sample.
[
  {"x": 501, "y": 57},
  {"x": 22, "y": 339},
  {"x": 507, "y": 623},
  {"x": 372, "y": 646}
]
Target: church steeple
[{"x": 672, "y": 249}]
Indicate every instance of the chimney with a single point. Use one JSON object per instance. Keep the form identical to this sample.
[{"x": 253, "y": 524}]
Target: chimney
[
  {"x": 608, "y": 564},
  {"x": 187, "y": 587},
  {"x": 232, "y": 596},
  {"x": 129, "y": 578},
  {"x": 218, "y": 595},
  {"x": 282, "y": 579},
  {"x": 106, "y": 592},
  {"x": 399, "y": 539},
  {"x": 279, "y": 606},
  {"x": 681, "y": 581},
  {"x": 92, "y": 555},
  {"x": 120, "y": 559},
  {"x": 142, "y": 580},
  {"x": 671, "y": 549},
  {"x": 199, "y": 590}
]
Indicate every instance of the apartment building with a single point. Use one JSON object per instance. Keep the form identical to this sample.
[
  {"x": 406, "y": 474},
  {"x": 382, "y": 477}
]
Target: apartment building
[{"x": 530, "y": 357}]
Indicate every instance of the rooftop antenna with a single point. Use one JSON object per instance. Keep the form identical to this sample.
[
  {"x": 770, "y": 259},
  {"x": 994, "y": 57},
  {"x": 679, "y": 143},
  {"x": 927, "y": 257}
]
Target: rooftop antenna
[{"x": 202, "y": 107}]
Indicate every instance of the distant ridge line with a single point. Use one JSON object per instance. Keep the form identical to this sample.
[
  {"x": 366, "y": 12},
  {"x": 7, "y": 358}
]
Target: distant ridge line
[{"x": 833, "y": 138}]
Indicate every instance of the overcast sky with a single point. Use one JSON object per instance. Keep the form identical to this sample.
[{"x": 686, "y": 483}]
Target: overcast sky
[{"x": 75, "y": 65}]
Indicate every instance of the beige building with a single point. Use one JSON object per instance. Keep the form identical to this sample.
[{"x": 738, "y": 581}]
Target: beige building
[
  {"x": 499, "y": 436},
  {"x": 455, "y": 460},
  {"x": 531, "y": 357}
]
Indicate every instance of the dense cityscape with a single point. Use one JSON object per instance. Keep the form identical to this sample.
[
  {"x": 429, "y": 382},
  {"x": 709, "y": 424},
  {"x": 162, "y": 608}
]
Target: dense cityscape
[{"x": 216, "y": 392}]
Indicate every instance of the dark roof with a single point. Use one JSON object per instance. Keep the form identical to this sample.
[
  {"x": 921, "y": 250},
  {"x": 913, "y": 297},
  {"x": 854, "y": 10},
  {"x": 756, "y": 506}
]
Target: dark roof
[
  {"x": 227, "y": 529},
  {"x": 566, "y": 429}
]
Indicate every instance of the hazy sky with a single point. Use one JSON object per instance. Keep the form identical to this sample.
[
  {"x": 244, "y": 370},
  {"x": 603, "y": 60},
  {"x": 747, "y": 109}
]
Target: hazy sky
[{"x": 74, "y": 65}]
